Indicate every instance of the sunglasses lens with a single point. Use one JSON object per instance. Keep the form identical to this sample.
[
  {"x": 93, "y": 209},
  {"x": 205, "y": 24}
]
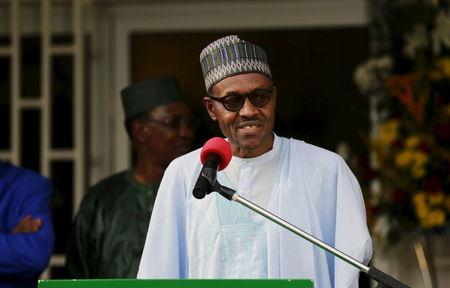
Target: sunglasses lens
[
  {"x": 260, "y": 99},
  {"x": 233, "y": 103}
]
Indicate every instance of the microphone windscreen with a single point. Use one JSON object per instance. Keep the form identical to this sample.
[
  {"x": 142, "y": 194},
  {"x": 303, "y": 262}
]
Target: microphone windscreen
[{"x": 220, "y": 147}]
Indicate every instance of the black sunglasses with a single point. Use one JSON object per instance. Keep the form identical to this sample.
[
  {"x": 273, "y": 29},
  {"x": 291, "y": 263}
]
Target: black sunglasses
[
  {"x": 192, "y": 122},
  {"x": 234, "y": 102}
]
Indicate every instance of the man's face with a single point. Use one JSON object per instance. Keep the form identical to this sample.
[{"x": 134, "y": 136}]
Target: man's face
[
  {"x": 168, "y": 132},
  {"x": 249, "y": 130}
]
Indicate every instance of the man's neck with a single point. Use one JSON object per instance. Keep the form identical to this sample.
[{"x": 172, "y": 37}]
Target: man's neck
[
  {"x": 265, "y": 147},
  {"x": 147, "y": 172}
]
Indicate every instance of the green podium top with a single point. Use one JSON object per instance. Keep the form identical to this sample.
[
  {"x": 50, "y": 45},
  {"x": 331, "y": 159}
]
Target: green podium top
[{"x": 189, "y": 283}]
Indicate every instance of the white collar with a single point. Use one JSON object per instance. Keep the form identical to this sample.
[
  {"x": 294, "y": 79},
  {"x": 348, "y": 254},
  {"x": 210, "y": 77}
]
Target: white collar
[{"x": 263, "y": 158}]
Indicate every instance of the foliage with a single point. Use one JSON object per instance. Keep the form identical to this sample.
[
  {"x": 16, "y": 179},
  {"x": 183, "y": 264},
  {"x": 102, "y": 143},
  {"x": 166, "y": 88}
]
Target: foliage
[{"x": 410, "y": 146}]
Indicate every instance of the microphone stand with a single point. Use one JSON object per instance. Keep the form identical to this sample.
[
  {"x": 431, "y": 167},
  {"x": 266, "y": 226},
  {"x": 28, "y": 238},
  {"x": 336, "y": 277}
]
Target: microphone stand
[{"x": 383, "y": 279}]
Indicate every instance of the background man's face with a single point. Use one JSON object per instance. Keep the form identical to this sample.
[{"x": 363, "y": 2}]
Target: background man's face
[
  {"x": 165, "y": 142},
  {"x": 249, "y": 130}
]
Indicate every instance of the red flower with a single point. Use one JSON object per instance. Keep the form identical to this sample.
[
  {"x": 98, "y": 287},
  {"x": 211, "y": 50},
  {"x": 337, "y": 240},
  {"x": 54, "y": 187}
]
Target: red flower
[
  {"x": 442, "y": 131},
  {"x": 397, "y": 144},
  {"x": 367, "y": 173},
  {"x": 400, "y": 196},
  {"x": 433, "y": 184},
  {"x": 424, "y": 147},
  {"x": 402, "y": 86}
]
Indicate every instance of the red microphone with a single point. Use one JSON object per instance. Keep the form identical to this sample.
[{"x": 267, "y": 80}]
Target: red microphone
[{"x": 215, "y": 156}]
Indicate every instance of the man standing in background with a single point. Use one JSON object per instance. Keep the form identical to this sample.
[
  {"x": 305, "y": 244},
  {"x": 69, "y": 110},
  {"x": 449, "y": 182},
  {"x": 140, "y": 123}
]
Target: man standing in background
[
  {"x": 26, "y": 231},
  {"x": 109, "y": 231}
]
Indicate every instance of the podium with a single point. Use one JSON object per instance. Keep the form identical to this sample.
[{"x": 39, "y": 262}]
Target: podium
[{"x": 185, "y": 283}]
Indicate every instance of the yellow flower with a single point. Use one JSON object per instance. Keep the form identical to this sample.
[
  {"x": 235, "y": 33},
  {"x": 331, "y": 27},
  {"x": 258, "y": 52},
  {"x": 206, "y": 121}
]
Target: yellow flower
[
  {"x": 436, "y": 198},
  {"x": 376, "y": 159},
  {"x": 435, "y": 218},
  {"x": 418, "y": 169},
  {"x": 420, "y": 196},
  {"x": 412, "y": 141},
  {"x": 429, "y": 218},
  {"x": 420, "y": 205},
  {"x": 404, "y": 158},
  {"x": 444, "y": 66},
  {"x": 442, "y": 70},
  {"x": 388, "y": 132},
  {"x": 420, "y": 158},
  {"x": 436, "y": 75},
  {"x": 447, "y": 203},
  {"x": 447, "y": 110}
]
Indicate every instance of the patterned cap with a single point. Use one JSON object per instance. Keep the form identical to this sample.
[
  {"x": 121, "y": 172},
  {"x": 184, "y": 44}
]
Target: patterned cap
[
  {"x": 139, "y": 97},
  {"x": 230, "y": 56}
]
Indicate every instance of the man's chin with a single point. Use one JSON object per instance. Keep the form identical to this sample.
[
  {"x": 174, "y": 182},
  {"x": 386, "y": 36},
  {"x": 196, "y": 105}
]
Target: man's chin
[
  {"x": 250, "y": 140},
  {"x": 249, "y": 145}
]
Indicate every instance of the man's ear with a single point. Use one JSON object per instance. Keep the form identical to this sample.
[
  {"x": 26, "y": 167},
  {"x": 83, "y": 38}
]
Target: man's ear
[{"x": 209, "y": 105}]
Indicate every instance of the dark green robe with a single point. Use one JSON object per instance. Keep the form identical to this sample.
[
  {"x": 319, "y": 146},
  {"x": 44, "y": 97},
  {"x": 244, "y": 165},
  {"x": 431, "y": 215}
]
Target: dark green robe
[{"x": 109, "y": 232}]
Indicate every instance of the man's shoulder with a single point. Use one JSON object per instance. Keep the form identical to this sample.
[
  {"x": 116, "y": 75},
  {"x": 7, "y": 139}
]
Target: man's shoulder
[
  {"x": 312, "y": 153},
  {"x": 314, "y": 162},
  {"x": 104, "y": 191},
  {"x": 119, "y": 176},
  {"x": 116, "y": 180},
  {"x": 20, "y": 175}
]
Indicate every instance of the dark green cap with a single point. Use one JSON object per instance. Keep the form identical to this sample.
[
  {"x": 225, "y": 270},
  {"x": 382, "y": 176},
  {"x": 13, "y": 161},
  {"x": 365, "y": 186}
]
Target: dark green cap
[{"x": 140, "y": 97}]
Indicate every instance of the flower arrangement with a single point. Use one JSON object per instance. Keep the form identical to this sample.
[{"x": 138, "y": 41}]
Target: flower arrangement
[{"x": 409, "y": 173}]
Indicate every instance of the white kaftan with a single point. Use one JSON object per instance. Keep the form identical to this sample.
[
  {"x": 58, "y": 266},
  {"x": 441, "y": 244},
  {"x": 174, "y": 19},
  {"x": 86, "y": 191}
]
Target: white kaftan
[{"x": 312, "y": 189}]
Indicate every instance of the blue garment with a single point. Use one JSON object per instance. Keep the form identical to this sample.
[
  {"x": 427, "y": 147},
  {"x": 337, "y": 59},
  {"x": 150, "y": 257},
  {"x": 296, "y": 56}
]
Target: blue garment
[{"x": 23, "y": 256}]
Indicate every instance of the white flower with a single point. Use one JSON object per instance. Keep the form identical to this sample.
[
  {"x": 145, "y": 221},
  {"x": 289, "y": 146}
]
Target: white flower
[
  {"x": 381, "y": 227},
  {"x": 375, "y": 191},
  {"x": 384, "y": 63},
  {"x": 343, "y": 150},
  {"x": 441, "y": 33},
  {"x": 372, "y": 73},
  {"x": 415, "y": 41},
  {"x": 363, "y": 78}
]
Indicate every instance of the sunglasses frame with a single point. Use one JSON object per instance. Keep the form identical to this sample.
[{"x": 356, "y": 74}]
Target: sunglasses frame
[{"x": 250, "y": 96}]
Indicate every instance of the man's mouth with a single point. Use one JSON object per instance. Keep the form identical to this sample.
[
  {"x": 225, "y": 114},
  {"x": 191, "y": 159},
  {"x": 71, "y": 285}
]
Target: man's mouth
[{"x": 249, "y": 126}]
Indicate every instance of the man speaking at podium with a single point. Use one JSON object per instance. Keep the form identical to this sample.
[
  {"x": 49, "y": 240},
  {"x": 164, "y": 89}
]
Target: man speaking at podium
[{"x": 307, "y": 186}]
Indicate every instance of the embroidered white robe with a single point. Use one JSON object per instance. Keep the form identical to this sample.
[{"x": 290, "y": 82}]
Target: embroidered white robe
[{"x": 215, "y": 238}]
